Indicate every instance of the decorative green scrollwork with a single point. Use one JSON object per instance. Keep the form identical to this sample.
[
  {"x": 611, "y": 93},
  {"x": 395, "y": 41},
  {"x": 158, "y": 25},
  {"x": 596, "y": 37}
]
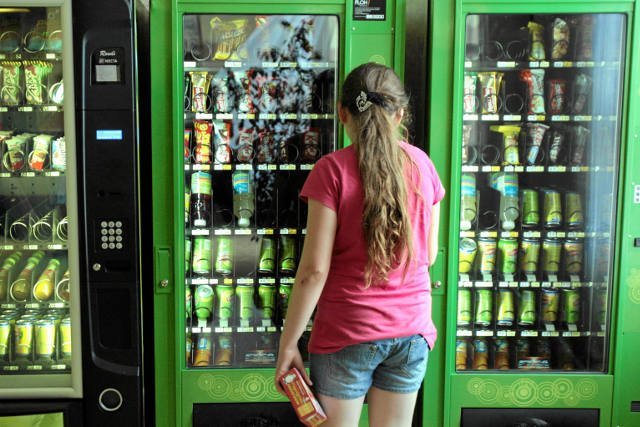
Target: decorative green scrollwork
[
  {"x": 525, "y": 392},
  {"x": 250, "y": 387}
]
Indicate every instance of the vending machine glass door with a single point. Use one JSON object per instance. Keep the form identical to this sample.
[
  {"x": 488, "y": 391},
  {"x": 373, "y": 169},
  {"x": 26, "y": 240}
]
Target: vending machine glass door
[
  {"x": 539, "y": 147},
  {"x": 258, "y": 112},
  {"x": 39, "y": 351}
]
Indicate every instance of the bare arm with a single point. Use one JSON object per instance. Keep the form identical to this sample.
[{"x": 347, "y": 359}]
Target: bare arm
[
  {"x": 310, "y": 279},
  {"x": 433, "y": 233}
]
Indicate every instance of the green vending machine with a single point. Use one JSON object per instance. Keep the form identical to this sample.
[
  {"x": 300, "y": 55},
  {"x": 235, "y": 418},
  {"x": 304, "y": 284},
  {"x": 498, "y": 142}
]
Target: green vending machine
[
  {"x": 543, "y": 261},
  {"x": 243, "y": 98}
]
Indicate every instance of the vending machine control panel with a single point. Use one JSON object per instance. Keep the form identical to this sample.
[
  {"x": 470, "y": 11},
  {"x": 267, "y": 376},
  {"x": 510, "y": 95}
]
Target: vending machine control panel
[{"x": 107, "y": 129}]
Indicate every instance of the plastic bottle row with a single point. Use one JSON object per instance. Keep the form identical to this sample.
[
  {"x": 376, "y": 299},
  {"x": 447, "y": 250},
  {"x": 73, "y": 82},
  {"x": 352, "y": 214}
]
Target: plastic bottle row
[
  {"x": 226, "y": 350},
  {"x": 528, "y": 259},
  {"x": 567, "y": 354},
  {"x": 531, "y": 309},
  {"x": 259, "y": 90},
  {"x": 33, "y": 222},
  {"x": 532, "y": 208},
  {"x": 31, "y": 152},
  {"x": 536, "y": 38},
  {"x": 34, "y": 277},
  {"x": 236, "y": 306},
  {"x": 34, "y": 337},
  {"x": 220, "y": 142},
  {"x": 30, "y": 82},
  {"x": 534, "y": 144},
  {"x": 242, "y": 256},
  {"x": 244, "y": 198}
]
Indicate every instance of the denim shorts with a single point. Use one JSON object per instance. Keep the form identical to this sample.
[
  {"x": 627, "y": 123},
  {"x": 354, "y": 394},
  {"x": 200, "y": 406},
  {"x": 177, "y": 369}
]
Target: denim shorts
[{"x": 396, "y": 364}]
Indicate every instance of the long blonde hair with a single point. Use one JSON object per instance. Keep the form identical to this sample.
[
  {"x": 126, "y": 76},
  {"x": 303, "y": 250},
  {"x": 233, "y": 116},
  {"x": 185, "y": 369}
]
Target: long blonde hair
[{"x": 374, "y": 95}]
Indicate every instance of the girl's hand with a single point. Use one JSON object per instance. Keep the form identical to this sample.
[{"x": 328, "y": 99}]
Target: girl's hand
[{"x": 289, "y": 358}]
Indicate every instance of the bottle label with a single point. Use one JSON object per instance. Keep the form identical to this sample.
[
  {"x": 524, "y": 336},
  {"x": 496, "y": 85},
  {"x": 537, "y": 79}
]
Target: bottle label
[{"x": 240, "y": 182}]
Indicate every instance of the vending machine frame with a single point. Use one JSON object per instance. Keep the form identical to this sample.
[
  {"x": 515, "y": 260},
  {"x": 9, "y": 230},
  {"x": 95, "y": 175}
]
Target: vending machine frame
[
  {"x": 178, "y": 389},
  {"x": 460, "y": 388}
]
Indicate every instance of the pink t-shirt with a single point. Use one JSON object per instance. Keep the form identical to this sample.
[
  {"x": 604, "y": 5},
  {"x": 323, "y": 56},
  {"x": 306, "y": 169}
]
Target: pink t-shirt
[{"x": 348, "y": 313}]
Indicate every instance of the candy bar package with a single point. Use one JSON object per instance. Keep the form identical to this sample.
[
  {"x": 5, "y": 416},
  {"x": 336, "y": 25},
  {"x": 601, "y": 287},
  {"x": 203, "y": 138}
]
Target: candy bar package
[{"x": 307, "y": 407}]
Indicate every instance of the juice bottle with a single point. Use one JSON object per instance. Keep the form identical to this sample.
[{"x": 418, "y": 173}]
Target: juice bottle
[{"x": 243, "y": 205}]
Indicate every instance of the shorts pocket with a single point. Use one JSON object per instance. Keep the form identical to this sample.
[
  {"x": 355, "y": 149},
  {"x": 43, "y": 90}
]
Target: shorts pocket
[{"x": 417, "y": 355}]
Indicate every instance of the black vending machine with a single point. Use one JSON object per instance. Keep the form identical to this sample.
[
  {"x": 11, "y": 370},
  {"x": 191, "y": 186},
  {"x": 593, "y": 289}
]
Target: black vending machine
[{"x": 71, "y": 316}]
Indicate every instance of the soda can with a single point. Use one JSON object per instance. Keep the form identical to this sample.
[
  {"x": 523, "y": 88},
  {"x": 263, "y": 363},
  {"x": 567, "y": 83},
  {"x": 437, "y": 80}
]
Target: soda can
[
  {"x": 527, "y": 308},
  {"x": 287, "y": 254},
  {"x": 574, "y": 215},
  {"x": 462, "y": 349},
  {"x": 552, "y": 209},
  {"x": 480, "y": 354},
  {"x": 187, "y": 255},
  {"x": 506, "y": 310},
  {"x": 466, "y": 255},
  {"x": 508, "y": 255},
  {"x": 284, "y": 293},
  {"x": 224, "y": 353},
  {"x": 23, "y": 336},
  {"x": 203, "y": 301},
  {"x": 601, "y": 296},
  {"x": 571, "y": 306},
  {"x": 45, "y": 330},
  {"x": 245, "y": 302},
  {"x": 551, "y": 255},
  {"x": 224, "y": 256},
  {"x": 523, "y": 348},
  {"x": 573, "y": 253},
  {"x": 266, "y": 263},
  {"x": 529, "y": 255},
  {"x": 65, "y": 338},
  {"x": 201, "y": 264},
  {"x": 5, "y": 334},
  {"x": 550, "y": 305},
  {"x": 530, "y": 208},
  {"x": 267, "y": 296},
  {"x": 484, "y": 307},
  {"x": 501, "y": 353},
  {"x": 224, "y": 296},
  {"x": 487, "y": 253},
  {"x": 464, "y": 307},
  {"x": 203, "y": 351}
]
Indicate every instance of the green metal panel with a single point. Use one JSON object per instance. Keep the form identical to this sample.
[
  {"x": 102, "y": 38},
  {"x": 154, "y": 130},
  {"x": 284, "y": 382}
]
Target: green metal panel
[
  {"x": 439, "y": 123},
  {"x": 627, "y": 369},
  {"x": 163, "y": 218},
  {"x": 177, "y": 388},
  {"x": 547, "y": 390}
]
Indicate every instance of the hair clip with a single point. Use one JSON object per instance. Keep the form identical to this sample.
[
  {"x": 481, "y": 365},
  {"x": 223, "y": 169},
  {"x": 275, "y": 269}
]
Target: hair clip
[{"x": 362, "y": 103}]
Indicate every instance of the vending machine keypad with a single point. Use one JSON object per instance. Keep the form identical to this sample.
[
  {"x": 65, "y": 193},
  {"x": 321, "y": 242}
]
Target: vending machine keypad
[{"x": 111, "y": 234}]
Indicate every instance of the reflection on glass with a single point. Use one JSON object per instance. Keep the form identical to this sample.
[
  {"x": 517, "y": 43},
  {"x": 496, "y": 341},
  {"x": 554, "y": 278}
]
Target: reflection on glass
[
  {"x": 35, "y": 328},
  {"x": 539, "y": 152},
  {"x": 258, "y": 100}
]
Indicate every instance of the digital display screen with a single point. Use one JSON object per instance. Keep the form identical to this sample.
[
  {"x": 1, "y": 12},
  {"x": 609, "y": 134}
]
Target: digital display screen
[
  {"x": 107, "y": 73},
  {"x": 109, "y": 134}
]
